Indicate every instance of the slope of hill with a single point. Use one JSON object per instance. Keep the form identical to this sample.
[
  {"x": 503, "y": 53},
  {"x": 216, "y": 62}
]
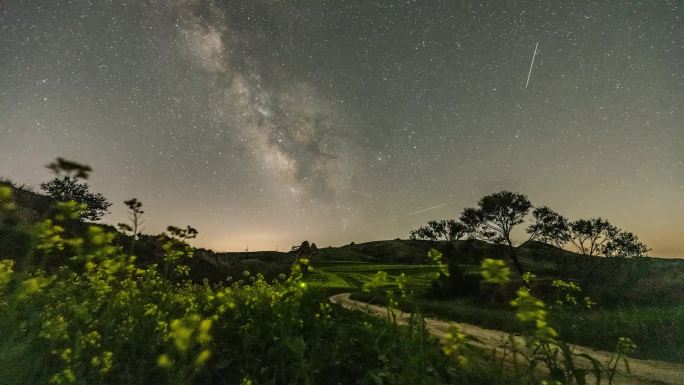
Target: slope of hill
[
  {"x": 32, "y": 207},
  {"x": 615, "y": 281},
  {"x": 642, "y": 291}
]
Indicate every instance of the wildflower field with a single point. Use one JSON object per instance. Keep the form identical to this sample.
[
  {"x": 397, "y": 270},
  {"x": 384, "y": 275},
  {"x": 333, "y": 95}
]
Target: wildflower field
[
  {"x": 78, "y": 306},
  {"x": 656, "y": 326},
  {"x": 99, "y": 316}
]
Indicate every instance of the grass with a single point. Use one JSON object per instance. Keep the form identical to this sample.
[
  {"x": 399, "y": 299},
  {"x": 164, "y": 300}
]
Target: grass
[
  {"x": 657, "y": 332},
  {"x": 276, "y": 334},
  {"x": 102, "y": 317},
  {"x": 352, "y": 275}
]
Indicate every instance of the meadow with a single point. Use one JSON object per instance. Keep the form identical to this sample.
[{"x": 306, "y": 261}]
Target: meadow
[
  {"x": 76, "y": 308},
  {"x": 652, "y": 319},
  {"x": 640, "y": 299},
  {"x": 86, "y": 304},
  {"x": 352, "y": 276},
  {"x": 658, "y": 332}
]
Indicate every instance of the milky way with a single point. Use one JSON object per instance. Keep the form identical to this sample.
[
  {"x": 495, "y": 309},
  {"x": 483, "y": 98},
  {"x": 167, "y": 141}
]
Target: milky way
[
  {"x": 263, "y": 123},
  {"x": 286, "y": 126}
]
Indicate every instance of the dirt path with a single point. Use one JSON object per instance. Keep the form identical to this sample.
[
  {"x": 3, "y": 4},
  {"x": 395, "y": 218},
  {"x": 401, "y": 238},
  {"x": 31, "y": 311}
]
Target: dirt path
[{"x": 642, "y": 371}]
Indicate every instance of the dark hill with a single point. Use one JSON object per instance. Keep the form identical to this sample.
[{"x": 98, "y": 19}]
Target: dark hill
[
  {"x": 641, "y": 280},
  {"x": 32, "y": 207}
]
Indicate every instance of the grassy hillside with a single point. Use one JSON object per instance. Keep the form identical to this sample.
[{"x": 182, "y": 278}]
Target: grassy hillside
[
  {"x": 641, "y": 298},
  {"x": 89, "y": 313},
  {"x": 642, "y": 282},
  {"x": 616, "y": 282},
  {"x": 405, "y": 251},
  {"x": 32, "y": 207},
  {"x": 351, "y": 276},
  {"x": 613, "y": 281}
]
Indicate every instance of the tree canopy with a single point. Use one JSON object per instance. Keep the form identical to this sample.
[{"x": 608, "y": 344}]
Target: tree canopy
[
  {"x": 495, "y": 217},
  {"x": 134, "y": 214},
  {"x": 68, "y": 188},
  {"x": 589, "y": 237},
  {"x": 446, "y": 229},
  {"x": 70, "y": 168}
]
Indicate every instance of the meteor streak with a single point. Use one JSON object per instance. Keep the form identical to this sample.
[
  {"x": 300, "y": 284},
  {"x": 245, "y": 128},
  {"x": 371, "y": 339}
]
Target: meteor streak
[
  {"x": 531, "y": 64},
  {"x": 427, "y": 209}
]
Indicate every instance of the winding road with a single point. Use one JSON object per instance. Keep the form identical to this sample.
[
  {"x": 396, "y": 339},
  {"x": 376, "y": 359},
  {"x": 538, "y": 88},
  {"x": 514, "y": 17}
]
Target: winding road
[{"x": 643, "y": 372}]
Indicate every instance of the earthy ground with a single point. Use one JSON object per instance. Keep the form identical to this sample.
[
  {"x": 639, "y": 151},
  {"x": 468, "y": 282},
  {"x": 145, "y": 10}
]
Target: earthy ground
[{"x": 641, "y": 371}]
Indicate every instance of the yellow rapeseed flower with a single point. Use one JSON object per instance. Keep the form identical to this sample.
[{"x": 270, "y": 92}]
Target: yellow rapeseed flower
[
  {"x": 202, "y": 358},
  {"x": 6, "y": 271},
  {"x": 107, "y": 361},
  {"x": 163, "y": 361},
  {"x": 181, "y": 335},
  {"x": 495, "y": 271}
]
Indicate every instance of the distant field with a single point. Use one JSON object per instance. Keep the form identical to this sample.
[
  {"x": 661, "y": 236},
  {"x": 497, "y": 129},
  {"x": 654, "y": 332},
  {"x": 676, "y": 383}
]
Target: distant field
[
  {"x": 658, "y": 330},
  {"x": 352, "y": 275}
]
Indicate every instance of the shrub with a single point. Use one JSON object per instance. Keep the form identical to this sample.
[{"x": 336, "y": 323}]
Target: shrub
[
  {"x": 542, "y": 343},
  {"x": 68, "y": 188},
  {"x": 458, "y": 283}
]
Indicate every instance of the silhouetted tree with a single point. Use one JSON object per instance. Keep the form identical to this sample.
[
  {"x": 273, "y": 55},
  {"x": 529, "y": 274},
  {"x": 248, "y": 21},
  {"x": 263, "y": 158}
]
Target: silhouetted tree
[
  {"x": 70, "y": 189},
  {"x": 494, "y": 219},
  {"x": 458, "y": 282},
  {"x": 124, "y": 228},
  {"x": 589, "y": 237},
  {"x": 550, "y": 227},
  {"x": 184, "y": 234},
  {"x": 449, "y": 230},
  {"x": 625, "y": 245},
  {"x": 304, "y": 249},
  {"x": 67, "y": 188},
  {"x": 70, "y": 168},
  {"x": 423, "y": 232},
  {"x": 455, "y": 230},
  {"x": 135, "y": 212},
  {"x": 439, "y": 228}
]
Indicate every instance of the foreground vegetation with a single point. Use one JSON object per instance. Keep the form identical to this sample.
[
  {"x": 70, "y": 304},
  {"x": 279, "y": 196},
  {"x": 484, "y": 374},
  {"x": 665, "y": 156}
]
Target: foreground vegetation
[
  {"x": 656, "y": 331},
  {"x": 99, "y": 316},
  {"x": 86, "y": 304},
  {"x": 640, "y": 299}
]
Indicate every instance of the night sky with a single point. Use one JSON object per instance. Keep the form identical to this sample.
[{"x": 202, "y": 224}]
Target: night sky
[{"x": 264, "y": 123}]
